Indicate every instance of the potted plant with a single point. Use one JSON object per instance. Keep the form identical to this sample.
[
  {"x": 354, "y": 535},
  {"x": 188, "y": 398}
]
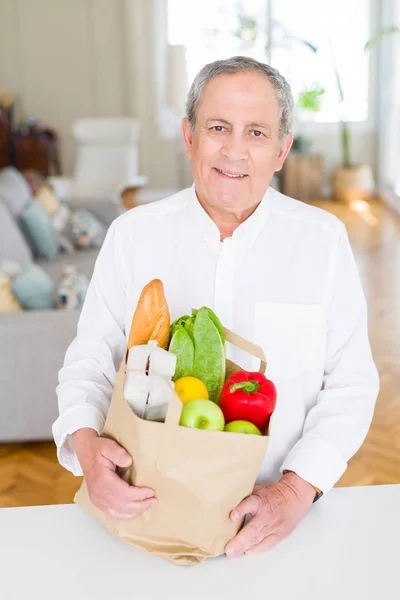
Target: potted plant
[
  {"x": 309, "y": 100},
  {"x": 351, "y": 181}
]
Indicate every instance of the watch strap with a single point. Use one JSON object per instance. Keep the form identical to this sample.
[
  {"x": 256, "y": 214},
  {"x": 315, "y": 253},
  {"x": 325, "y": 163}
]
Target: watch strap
[{"x": 318, "y": 492}]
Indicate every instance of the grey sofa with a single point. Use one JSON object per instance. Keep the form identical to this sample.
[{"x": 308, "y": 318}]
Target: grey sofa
[{"x": 33, "y": 345}]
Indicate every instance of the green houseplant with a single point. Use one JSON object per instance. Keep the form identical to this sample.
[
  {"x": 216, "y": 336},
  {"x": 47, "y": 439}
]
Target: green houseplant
[
  {"x": 309, "y": 100},
  {"x": 351, "y": 181}
]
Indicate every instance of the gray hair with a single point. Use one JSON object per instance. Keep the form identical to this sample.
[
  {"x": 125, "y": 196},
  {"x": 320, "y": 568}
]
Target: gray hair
[{"x": 238, "y": 64}]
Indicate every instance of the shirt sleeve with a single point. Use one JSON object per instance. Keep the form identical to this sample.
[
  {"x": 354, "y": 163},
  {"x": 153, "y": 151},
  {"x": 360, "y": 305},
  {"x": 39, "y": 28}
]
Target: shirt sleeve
[
  {"x": 87, "y": 378},
  {"x": 337, "y": 425}
]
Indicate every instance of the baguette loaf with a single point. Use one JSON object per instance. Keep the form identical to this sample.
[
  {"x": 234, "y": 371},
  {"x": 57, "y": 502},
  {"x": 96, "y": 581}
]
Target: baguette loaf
[{"x": 151, "y": 320}]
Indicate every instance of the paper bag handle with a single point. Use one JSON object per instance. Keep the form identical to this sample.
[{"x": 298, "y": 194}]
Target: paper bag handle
[
  {"x": 174, "y": 410},
  {"x": 249, "y": 347},
  {"x": 175, "y": 405}
]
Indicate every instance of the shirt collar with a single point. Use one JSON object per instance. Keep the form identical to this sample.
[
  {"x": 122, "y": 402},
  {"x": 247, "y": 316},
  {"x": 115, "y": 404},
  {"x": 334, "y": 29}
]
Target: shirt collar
[{"x": 247, "y": 231}]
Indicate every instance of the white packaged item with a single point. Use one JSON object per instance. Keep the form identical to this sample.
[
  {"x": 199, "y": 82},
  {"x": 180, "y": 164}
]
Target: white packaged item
[{"x": 148, "y": 382}]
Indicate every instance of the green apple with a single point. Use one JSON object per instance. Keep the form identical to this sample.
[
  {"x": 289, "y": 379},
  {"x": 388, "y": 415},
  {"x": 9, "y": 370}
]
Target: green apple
[
  {"x": 202, "y": 414},
  {"x": 242, "y": 427}
]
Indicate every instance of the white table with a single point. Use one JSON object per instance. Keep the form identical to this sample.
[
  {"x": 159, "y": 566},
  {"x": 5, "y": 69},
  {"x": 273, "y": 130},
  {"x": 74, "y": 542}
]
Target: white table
[{"x": 347, "y": 547}]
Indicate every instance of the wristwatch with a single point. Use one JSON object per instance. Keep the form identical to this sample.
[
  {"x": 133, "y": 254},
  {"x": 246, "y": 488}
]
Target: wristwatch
[{"x": 318, "y": 492}]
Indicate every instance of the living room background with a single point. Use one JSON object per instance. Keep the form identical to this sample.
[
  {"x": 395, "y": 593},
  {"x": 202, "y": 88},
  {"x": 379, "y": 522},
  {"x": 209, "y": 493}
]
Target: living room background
[{"x": 66, "y": 60}]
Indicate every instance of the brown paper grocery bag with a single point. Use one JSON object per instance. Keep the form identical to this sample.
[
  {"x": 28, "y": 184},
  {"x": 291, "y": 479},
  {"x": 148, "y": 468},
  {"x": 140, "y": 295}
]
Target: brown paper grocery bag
[{"x": 198, "y": 476}]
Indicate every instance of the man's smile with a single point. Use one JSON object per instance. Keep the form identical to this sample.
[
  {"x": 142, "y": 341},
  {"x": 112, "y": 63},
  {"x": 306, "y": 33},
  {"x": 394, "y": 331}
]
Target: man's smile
[{"x": 231, "y": 174}]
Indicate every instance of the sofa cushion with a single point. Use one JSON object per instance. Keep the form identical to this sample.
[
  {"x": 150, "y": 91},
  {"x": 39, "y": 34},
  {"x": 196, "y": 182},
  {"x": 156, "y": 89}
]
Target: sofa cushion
[
  {"x": 84, "y": 260},
  {"x": 86, "y": 230},
  {"x": 48, "y": 200},
  {"x": 61, "y": 231},
  {"x": 14, "y": 190},
  {"x": 104, "y": 209},
  {"x": 13, "y": 245},
  {"x": 72, "y": 288},
  {"x": 40, "y": 231},
  {"x": 34, "y": 289}
]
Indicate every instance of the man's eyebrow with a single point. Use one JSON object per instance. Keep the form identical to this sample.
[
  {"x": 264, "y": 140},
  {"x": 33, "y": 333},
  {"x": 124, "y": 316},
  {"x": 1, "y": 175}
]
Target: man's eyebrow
[
  {"x": 262, "y": 125},
  {"x": 252, "y": 124},
  {"x": 219, "y": 120}
]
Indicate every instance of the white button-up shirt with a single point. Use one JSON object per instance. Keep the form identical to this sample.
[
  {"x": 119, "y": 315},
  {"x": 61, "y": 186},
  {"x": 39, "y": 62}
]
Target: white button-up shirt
[{"x": 285, "y": 280}]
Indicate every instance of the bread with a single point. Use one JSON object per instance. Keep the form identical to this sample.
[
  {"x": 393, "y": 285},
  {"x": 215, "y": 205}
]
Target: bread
[{"x": 151, "y": 320}]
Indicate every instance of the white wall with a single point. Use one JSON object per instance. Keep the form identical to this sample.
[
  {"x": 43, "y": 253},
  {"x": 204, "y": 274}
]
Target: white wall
[
  {"x": 143, "y": 50},
  {"x": 63, "y": 60}
]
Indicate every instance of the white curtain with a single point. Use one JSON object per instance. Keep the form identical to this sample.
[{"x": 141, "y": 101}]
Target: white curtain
[
  {"x": 389, "y": 106},
  {"x": 145, "y": 42}
]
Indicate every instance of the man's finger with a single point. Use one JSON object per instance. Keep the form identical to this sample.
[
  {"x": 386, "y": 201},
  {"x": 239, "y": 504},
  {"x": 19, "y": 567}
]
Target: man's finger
[
  {"x": 124, "y": 492},
  {"x": 115, "y": 453},
  {"x": 118, "y": 515},
  {"x": 249, "y": 505},
  {"x": 137, "y": 508},
  {"x": 109, "y": 500},
  {"x": 138, "y": 494},
  {"x": 251, "y": 535},
  {"x": 268, "y": 542},
  {"x": 128, "y": 492}
]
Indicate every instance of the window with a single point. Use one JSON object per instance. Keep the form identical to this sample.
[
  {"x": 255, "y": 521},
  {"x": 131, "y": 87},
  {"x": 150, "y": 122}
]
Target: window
[{"x": 214, "y": 29}]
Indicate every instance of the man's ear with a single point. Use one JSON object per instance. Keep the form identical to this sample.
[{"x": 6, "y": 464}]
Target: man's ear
[
  {"x": 284, "y": 151},
  {"x": 187, "y": 135}
]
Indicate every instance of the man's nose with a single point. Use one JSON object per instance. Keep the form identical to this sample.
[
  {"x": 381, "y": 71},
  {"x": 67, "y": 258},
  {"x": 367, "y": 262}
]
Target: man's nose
[{"x": 235, "y": 148}]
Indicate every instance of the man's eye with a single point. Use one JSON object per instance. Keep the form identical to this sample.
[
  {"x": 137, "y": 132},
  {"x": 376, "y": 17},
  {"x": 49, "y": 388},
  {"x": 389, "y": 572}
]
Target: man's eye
[
  {"x": 257, "y": 133},
  {"x": 218, "y": 127}
]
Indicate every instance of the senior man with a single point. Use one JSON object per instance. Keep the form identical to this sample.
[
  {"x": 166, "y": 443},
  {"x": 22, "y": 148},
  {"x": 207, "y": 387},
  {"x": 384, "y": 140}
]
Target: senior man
[{"x": 275, "y": 270}]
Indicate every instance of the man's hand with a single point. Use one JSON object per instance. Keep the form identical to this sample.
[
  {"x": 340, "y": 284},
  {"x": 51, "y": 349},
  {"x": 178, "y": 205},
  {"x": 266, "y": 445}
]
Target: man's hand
[
  {"x": 276, "y": 510},
  {"x": 99, "y": 458}
]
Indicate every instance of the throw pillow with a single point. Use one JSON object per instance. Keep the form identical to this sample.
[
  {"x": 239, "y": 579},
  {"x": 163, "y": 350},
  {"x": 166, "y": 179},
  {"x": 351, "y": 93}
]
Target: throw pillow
[
  {"x": 8, "y": 302},
  {"x": 34, "y": 288},
  {"x": 86, "y": 230},
  {"x": 48, "y": 200},
  {"x": 38, "y": 228},
  {"x": 13, "y": 244},
  {"x": 14, "y": 190},
  {"x": 72, "y": 288}
]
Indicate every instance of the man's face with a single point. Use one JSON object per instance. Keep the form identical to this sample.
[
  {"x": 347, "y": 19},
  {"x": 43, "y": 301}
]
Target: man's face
[{"x": 235, "y": 147}]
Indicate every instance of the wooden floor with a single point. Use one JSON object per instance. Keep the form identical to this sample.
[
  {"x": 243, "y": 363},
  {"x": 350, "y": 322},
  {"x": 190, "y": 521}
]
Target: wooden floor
[
  {"x": 374, "y": 233},
  {"x": 31, "y": 475}
]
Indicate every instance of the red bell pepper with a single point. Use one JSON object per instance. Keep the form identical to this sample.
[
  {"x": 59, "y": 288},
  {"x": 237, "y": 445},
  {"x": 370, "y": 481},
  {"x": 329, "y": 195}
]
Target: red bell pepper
[{"x": 248, "y": 396}]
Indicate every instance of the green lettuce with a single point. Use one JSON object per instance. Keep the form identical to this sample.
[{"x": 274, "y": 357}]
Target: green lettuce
[{"x": 198, "y": 341}]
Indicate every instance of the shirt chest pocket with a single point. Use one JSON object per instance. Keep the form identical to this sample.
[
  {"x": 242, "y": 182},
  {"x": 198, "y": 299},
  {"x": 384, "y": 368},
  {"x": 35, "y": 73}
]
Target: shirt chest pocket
[{"x": 293, "y": 337}]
